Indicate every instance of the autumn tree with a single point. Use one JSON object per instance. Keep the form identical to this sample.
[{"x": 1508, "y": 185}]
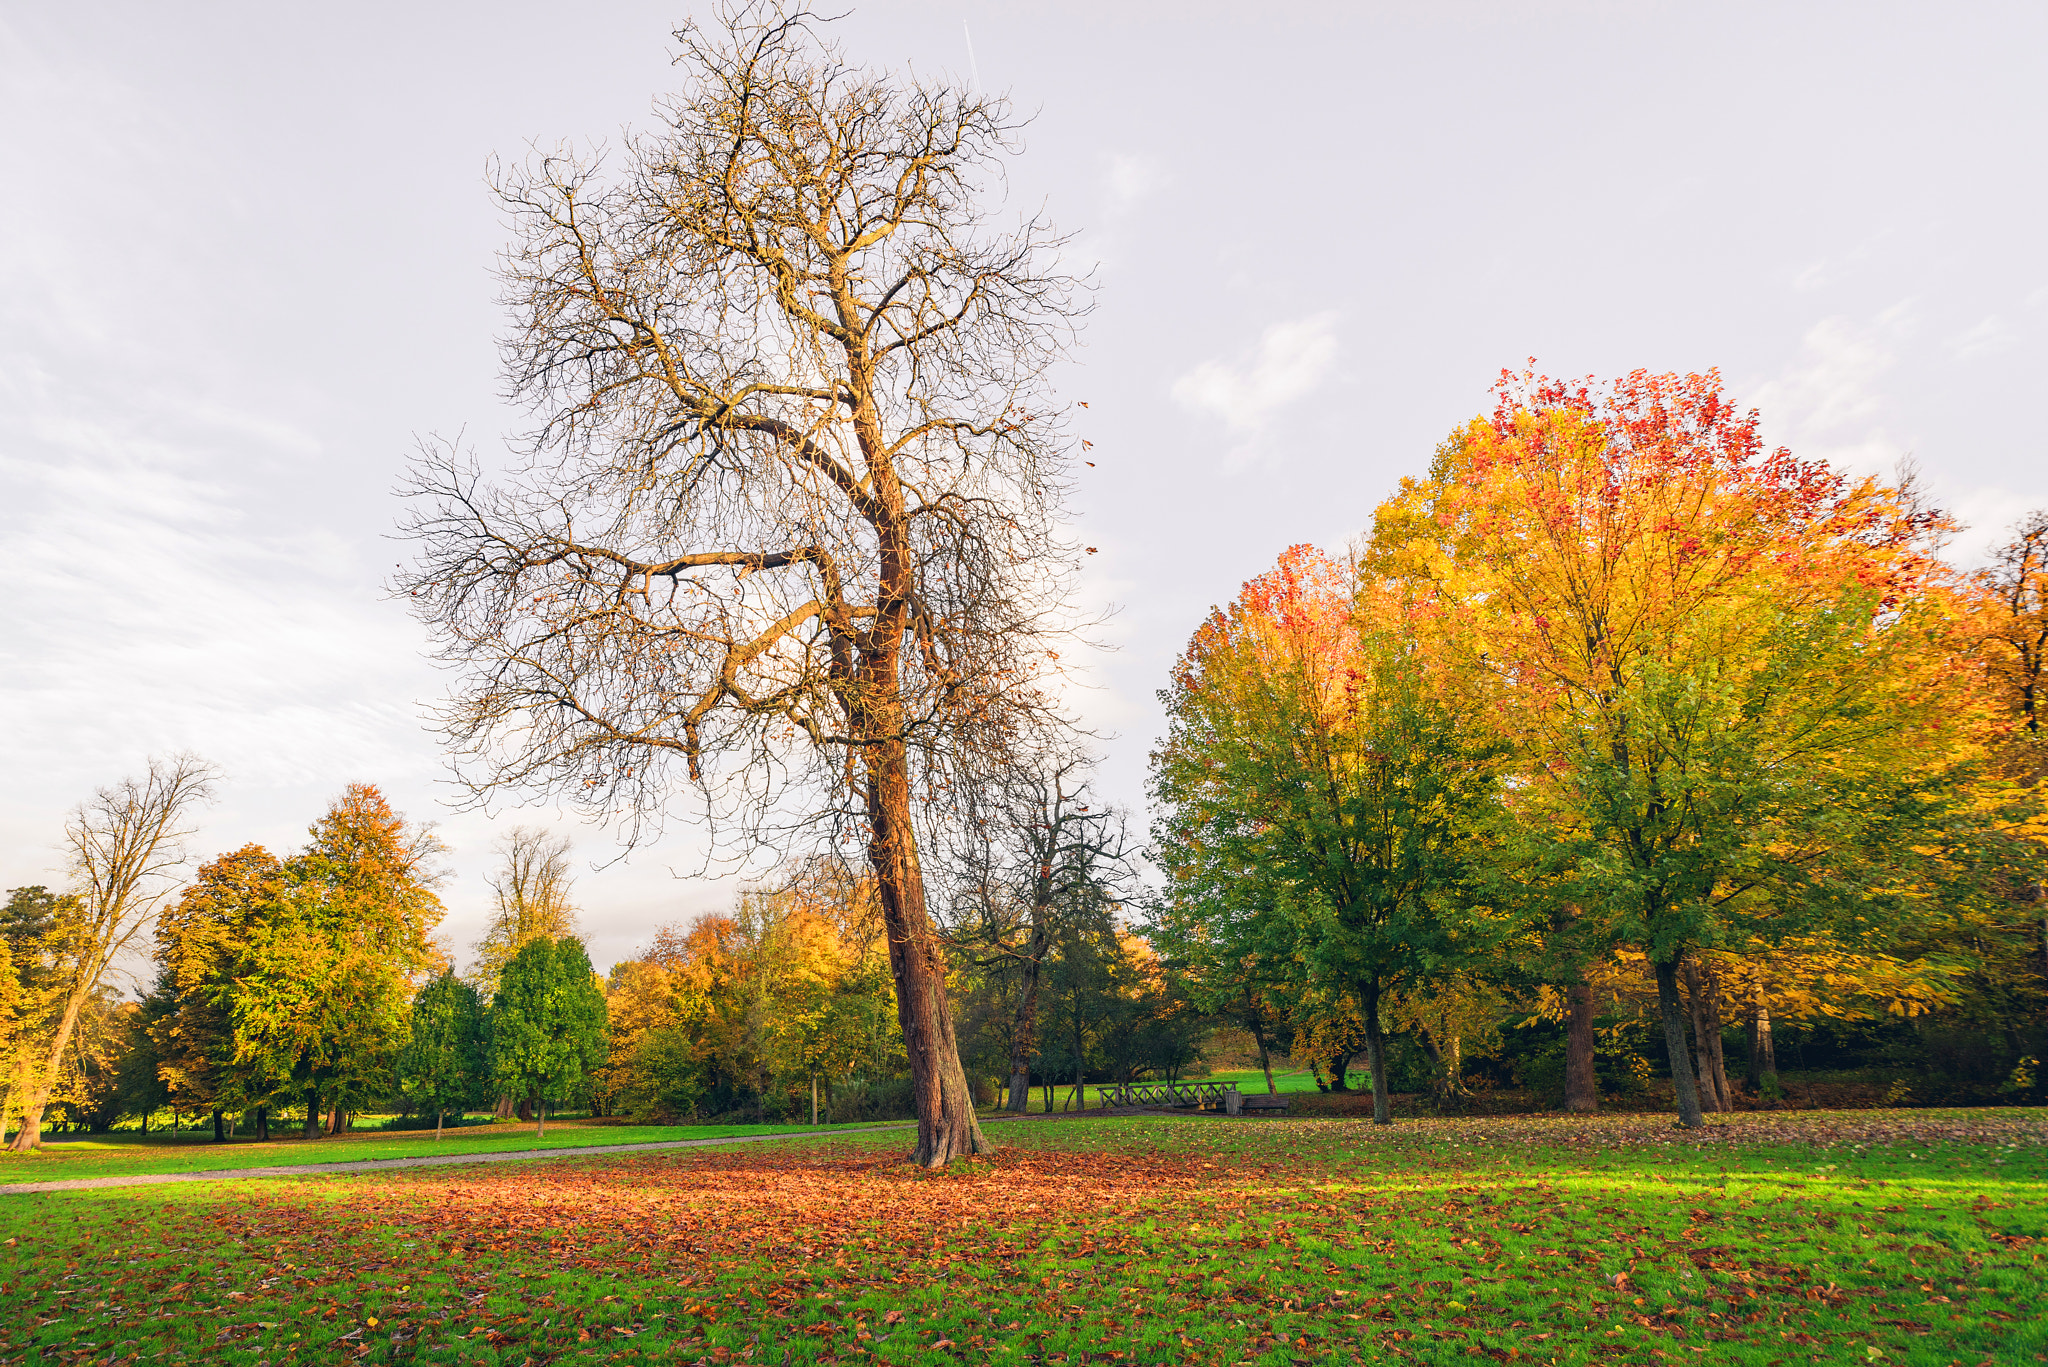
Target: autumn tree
[
  {"x": 1322, "y": 791},
  {"x": 324, "y": 980},
  {"x": 788, "y": 520},
  {"x": 547, "y": 1024},
  {"x": 2015, "y": 626},
  {"x": 1731, "y": 676},
  {"x": 199, "y": 942},
  {"x": 126, "y": 845}
]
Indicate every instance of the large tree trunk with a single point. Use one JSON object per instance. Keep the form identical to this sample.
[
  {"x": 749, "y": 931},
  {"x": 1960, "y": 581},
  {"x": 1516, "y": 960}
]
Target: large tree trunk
[
  {"x": 946, "y": 1124},
  {"x": 1673, "y": 1011},
  {"x": 1703, "y": 1059},
  {"x": 1581, "y": 1081},
  {"x": 312, "y": 1113},
  {"x": 1706, "y": 1036},
  {"x": 1376, "y": 1054},
  {"x": 219, "y": 1132},
  {"x": 263, "y": 1124}
]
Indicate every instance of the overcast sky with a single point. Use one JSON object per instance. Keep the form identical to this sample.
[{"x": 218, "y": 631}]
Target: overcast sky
[{"x": 245, "y": 253}]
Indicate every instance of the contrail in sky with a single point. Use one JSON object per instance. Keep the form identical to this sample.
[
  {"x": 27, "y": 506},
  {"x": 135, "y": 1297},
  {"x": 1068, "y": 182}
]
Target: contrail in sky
[{"x": 972, "y": 65}]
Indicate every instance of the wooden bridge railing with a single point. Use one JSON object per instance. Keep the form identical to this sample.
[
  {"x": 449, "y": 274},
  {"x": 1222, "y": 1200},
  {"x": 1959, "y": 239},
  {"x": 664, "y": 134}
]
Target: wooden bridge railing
[{"x": 1200, "y": 1095}]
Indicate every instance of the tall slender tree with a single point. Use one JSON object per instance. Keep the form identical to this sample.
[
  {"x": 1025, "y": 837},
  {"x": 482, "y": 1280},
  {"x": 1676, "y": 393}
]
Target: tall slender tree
[
  {"x": 1040, "y": 859},
  {"x": 531, "y": 898},
  {"x": 126, "y": 845},
  {"x": 791, "y": 518}
]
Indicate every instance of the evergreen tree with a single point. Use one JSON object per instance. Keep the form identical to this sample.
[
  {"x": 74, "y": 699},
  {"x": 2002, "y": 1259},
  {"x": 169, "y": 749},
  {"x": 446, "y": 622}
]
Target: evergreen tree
[
  {"x": 548, "y": 1024},
  {"x": 442, "y": 1066}
]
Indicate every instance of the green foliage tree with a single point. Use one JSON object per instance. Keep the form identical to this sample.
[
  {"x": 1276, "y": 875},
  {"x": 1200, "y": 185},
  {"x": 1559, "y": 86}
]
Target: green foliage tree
[
  {"x": 442, "y": 1066},
  {"x": 1322, "y": 794},
  {"x": 547, "y": 1024}
]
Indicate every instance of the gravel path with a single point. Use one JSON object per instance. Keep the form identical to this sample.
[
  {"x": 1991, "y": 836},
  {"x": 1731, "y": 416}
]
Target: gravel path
[{"x": 425, "y": 1161}]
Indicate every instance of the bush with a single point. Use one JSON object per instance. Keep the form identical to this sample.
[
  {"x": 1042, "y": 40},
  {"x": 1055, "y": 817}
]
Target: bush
[{"x": 423, "y": 1122}]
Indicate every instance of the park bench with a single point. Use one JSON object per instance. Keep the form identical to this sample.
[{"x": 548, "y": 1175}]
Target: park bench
[{"x": 1264, "y": 1102}]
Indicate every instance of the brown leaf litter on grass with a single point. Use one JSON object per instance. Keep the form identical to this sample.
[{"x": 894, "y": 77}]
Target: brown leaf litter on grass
[{"x": 733, "y": 1207}]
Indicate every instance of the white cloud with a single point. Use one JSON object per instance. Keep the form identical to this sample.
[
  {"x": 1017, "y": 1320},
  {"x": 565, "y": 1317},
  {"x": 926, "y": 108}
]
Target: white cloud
[
  {"x": 1830, "y": 403},
  {"x": 1127, "y": 181},
  {"x": 1289, "y": 362},
  {"x": 1987, "y": 338}
]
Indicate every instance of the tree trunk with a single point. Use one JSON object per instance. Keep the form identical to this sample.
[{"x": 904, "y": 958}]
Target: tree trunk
[
  {"x": 1703, "y": 1061},
  {"x": 219, "y": 1132},
  {"x": 1376, "y": 1054},
  {"x": 946, "y": 1124},
  {"x": 1340, "y": 1069},
  {"x": 504, "y": 1109},
  {"x": 262, "y": 1124},
  {"x": 1766, "y": 1048},
  {"x": 312, "y": 1113},
  {"x": 1265, "y": 1060},
  {"x": 526, "y": 1108},
  {"x": 540, "y": 1113},
  {"x": 1024, "y": 1041},
  {"x": 440, "y": 1113},
  {"x": 1581, "y": 1080},
  {"x": 1717, "y": 1050},
  {"x": 1673, "y": 1011},
  {"x": 1753, "y": 1075}
]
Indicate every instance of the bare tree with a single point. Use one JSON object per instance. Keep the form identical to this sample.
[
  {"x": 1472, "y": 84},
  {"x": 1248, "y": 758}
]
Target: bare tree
[
  {"x": 2016, "y": 583},
  {"x": 1040, "y": 855},
  {"x": 530, "y": 895},
  {"x": 788, "y": 515},
  {"x": 126, "y": 844}
]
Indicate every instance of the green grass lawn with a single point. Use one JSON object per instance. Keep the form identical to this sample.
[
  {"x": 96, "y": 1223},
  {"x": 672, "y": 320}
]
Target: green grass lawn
[
  {"x": 1771, "y": 1239},
  {"x": 130, "y": 1155}
]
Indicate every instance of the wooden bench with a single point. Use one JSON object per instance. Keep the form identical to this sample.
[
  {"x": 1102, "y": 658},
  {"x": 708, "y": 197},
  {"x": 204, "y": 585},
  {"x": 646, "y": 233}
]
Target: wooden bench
[{"x": 1264, "y": 1102}]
